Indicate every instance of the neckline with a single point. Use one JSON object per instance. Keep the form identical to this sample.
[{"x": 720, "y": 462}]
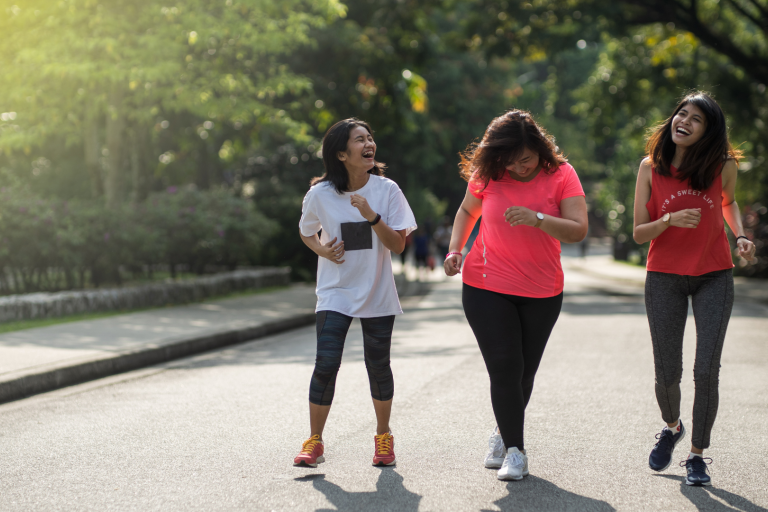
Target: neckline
[
  {"x": 508, "y": 174},
  {"x": 370, "y": 178}
]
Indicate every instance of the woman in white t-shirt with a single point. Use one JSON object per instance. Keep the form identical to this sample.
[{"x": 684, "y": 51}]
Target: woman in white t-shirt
[{"x": 362, "y": 217}]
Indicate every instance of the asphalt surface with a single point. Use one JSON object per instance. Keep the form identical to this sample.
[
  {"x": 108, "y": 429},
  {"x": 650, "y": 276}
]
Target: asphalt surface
[{"x": 218, "y": 431}]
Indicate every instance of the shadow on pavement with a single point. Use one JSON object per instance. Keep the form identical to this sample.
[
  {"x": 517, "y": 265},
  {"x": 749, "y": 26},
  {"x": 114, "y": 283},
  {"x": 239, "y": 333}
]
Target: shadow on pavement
[
  {"x": 536, "y": 494},
  {"x": 390, "y": 494},
  {"x": 703, "y": 498}
]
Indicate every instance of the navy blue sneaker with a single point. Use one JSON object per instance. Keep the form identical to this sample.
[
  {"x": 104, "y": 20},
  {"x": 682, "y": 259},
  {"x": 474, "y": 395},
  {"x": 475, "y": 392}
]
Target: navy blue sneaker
[
  {"x": 661, "y": 455},
  {"x": 697, "y": 471}
]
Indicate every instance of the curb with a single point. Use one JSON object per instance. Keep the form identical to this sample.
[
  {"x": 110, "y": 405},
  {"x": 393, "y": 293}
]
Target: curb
[
  {"x": 52, "y": 305},
  {"x": 25, "y": 383}
]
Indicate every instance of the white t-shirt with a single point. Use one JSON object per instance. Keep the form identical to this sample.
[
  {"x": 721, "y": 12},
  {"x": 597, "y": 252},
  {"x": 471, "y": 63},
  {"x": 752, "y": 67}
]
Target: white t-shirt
[{"x": 363, "y": 286}]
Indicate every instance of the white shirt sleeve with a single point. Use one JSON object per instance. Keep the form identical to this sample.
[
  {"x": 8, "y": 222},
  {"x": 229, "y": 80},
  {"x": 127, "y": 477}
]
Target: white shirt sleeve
[
  {"x": 310, "y": 222},
  {"x": 400, "y": 215}
]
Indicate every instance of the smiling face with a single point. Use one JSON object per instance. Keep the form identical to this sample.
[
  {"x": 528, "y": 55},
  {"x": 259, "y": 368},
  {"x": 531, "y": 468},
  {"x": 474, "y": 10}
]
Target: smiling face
[
  {"x": 360, "y": 149},
  {"x": 526, "y": 165},
  {"x": 688, "y": 125}
]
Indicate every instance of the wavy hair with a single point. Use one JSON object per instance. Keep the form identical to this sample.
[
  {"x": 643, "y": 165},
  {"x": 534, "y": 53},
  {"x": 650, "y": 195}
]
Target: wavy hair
[
  {"x": 505, "y": 140},
  {"x": 334, "y": 141},
  {"x": 703, "y": 161}
]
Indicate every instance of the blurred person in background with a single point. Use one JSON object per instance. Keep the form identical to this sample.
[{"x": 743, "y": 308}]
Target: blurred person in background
[
  {"x": 442, "y": 236},
  {"x": 685, "y": 187},
  {"x": 530, "y": 200},
  {"x": 421, "y": 251},
  {"x": 363, "y": 217}
]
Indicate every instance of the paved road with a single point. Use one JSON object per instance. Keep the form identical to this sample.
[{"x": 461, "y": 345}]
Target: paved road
[{"x": 218, "y": 431}]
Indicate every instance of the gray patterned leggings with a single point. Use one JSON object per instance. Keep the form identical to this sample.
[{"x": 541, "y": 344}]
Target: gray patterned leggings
[{"x": 666, "y": 302}]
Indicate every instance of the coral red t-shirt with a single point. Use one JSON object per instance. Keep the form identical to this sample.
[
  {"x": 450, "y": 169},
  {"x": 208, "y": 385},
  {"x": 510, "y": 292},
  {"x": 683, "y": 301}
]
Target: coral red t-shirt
[
  {"x": 520, "y": 260},
  {"x": 688, "y": 251}
]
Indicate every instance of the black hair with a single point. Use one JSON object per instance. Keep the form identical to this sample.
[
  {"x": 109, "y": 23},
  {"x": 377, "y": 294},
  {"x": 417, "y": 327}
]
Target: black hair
[
  {"x": 334, "y": 141},
  {"x": 703, "y": 161}
]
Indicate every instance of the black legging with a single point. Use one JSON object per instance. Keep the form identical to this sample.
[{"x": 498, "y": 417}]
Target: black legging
[
  {"x": 512, "y": 332},
  {"x": 332, "y": 330}
]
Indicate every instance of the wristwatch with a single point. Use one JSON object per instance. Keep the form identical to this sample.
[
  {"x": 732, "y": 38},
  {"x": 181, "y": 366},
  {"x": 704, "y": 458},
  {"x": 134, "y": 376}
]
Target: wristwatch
[
  {"x": 540, "y": 218},
  {"x": 666, "y": 218}
]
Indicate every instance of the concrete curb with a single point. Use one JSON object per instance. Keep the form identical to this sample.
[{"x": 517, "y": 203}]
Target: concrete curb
[
  {"x": 51, "y": 305},
  {"x": 25, "y": 383}
]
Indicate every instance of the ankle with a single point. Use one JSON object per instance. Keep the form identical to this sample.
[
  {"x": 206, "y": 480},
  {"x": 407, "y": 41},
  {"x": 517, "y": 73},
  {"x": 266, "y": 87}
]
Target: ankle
[{"x": 675, "y": 427}]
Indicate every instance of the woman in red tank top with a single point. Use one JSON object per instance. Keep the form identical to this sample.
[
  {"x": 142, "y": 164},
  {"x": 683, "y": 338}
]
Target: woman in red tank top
[{"x": 685, "y": 187}]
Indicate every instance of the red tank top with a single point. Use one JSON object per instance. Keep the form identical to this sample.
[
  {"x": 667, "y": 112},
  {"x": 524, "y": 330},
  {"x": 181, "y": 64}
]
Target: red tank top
[{"x": 686, "y": 251}]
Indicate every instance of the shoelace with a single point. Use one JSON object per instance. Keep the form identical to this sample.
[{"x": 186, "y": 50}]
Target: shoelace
[
  {"x": 309, "y": 445},
  {"x": 666, "y": 439},
  {"x": 698, "y": 464},
  {"x": 496, "y": 447},
  {"x": 515, "y": 459},
  {"x": 384, "y": 444}
]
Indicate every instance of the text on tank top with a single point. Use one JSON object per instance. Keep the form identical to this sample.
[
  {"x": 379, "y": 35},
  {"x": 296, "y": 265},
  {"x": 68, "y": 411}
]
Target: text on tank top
[{"x": 688, "y": 251}]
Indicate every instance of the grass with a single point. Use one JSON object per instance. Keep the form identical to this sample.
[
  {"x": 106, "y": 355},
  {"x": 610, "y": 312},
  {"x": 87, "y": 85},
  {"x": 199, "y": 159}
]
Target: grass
[{"x": 21, "y": 325}]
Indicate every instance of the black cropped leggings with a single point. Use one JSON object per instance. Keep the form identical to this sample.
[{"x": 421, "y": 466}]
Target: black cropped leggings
[
  {"x": 666, "y": 303},
  {"x": 332, "y": 328},
  {"x": 512, "y": 333}
]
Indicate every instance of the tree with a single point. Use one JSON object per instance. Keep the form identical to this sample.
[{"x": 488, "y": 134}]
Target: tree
[{"x": 92, "y": 73}]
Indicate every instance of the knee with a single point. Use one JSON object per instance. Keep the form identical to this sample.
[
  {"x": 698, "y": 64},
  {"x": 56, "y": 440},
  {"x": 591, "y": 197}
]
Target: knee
[
  {"x": 706, "y": 375},
  {"x": 672, "y": 378},
  {"x": 327, "y": 365},
  {"x": 378, "y": 367}
]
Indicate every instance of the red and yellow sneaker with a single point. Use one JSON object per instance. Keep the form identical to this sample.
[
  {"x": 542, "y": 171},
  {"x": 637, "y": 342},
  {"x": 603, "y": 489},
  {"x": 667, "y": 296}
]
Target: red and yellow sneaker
[
  {"x": 311, "y": 453},
  {"x": 385, "y": 450}
]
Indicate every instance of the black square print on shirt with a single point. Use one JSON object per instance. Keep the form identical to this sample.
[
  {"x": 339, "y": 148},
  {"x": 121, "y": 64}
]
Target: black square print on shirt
[{"x": 357, "y": 235}]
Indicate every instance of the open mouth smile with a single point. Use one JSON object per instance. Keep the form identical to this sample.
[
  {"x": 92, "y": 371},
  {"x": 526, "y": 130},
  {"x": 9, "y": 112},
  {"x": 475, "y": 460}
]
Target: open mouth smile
[
  {"x": 682, "y": 131},
  {"x": 368, "y": 153}
]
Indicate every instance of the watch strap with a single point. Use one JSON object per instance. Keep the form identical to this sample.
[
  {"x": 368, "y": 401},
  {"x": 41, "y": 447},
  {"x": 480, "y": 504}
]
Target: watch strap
[{"x": 539, "y": 220}]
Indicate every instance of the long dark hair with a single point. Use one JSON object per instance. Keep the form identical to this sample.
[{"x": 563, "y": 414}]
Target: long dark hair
[
  {"x": 703, "y": 161},
  {"x": 505, "y": 140},
  {"x": 335, "y": 140}
]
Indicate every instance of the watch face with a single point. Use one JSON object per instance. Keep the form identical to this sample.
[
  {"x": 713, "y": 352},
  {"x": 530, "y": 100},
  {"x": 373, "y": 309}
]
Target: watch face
[{"x": 540, "y": 216}]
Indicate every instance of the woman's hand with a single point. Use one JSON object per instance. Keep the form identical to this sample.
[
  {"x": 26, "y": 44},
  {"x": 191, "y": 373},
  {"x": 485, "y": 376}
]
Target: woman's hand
[
  {"x": 685, "y": 218},
  {"x": 746, "y": 249},
  {"x": 452, "y": 264},
  {"x": 332, "y": 252},
  {"x": 361, "y": 204},
  {"x": 517, "y": 215}
]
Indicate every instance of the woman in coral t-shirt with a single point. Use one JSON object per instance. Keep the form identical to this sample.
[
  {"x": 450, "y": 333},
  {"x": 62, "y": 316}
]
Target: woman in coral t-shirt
[
  {"x": 685, "y": 187},
  {"x": 530, "y": 200}
]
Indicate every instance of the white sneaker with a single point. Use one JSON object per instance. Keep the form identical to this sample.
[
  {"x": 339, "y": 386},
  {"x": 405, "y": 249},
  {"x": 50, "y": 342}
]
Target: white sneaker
[
  {"x": 515, "y": 465},
  {"x": 496, "y": 451}
]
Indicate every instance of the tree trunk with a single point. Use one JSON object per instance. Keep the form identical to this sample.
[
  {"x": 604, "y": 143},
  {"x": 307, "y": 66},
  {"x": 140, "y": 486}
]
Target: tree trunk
[
  {"x": 113, "y": 184},
  {"x": 93, "y": 148}
]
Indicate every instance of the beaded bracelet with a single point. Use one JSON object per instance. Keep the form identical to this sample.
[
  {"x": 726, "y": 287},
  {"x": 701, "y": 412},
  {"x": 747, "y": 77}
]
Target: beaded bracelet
[{"x": 452, "y": 253}]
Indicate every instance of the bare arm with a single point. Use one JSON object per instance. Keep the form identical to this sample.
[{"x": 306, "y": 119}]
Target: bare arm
[
  {"x": 328, "y": 251},
  {"x": 571, "y": 227},
  {"x": 469, "y": 211},
  {"x": 731, "y": 211},
  {"x": 646, "y": 229},
  {"x": 392, "y": 240}
]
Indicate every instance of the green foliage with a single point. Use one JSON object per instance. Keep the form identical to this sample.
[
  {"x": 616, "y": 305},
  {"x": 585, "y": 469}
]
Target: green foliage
[
  {"x": 126, "y": 99},
  {"x": 51, "y": 244},
  {"x": 76, "y": 69}
]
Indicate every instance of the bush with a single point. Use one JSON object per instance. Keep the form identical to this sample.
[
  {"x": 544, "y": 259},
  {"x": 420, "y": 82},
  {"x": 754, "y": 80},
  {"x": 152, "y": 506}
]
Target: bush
[{"x": 52, "y": 245}]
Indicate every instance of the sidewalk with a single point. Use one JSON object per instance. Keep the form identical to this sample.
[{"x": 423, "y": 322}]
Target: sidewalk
[
  {"x": 38, "y": 360},
  {"x": 632, "y": 277}
]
